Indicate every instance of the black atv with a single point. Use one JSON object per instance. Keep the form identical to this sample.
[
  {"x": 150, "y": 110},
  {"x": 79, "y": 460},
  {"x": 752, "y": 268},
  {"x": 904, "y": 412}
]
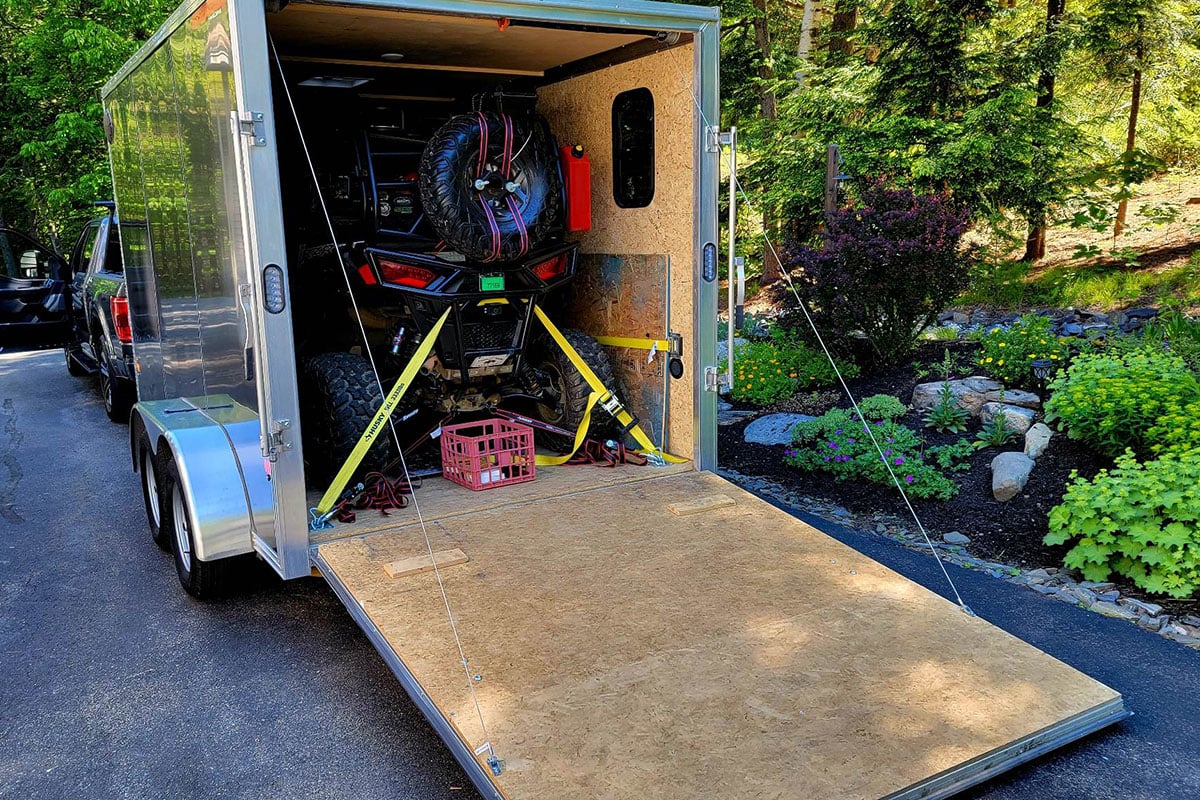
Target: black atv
[{"x": 474, "y": 226}]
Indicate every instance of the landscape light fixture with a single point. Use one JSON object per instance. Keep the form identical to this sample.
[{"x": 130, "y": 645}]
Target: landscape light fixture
[{"x": 1041, "y": 370}]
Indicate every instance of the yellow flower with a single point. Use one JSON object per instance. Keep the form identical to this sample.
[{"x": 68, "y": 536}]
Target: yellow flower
[
  {"x": 1002, "y": 344},
  {"x": 1000, "y": 363},
  {"x": 989, "y": 359}
]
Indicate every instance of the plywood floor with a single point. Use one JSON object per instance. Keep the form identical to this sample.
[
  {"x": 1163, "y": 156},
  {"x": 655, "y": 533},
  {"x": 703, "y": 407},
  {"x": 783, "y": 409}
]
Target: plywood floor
[
  {"x": 439, "y": 498},
  {"x": 626, "y": 652}
]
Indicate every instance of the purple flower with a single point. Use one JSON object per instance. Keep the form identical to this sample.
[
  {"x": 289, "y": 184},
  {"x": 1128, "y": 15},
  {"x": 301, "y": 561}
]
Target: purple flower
[
  {"x": 879, "y": 423},
  {"x": 826, "y": 458},
  {"x": 909, "y": 478},
  {"x": 851, "y": 441},
  {"x": 887, "y": 452},
  {"x": 899, "y": 461},
  {"x": 891, "y": 440},
  {"x": 838, "y": 431},
  {"x": 832, "y": 445}
]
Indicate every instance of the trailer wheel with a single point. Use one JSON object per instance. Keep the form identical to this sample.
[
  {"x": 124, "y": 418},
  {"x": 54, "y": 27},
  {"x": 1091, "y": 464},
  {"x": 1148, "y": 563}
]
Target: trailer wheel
[
  {"x": 204, "y": 580},
  {"x": 571, "y": 388},
  {"x": 152, "y": 492},
  {"x": 339, "y": 397},
  {"x": 451, "y": 165}
]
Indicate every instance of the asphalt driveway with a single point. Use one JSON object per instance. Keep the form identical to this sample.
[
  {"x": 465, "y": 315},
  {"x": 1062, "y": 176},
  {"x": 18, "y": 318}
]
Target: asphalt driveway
[{"x": 115, "y": 684}]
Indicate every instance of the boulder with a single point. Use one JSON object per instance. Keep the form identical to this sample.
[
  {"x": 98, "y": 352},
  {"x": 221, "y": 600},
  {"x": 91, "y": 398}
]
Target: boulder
[
  {"x": 1037, "y": 439},
  {"x": 1010, "y": 473},
  {"x": 968, "y": 393},
  {"x": 774, "y": 428},
  {"x": 1014, "y": 397},
  {"x": 954, "y": 537},
  {"x": 1016, "y": 419}
]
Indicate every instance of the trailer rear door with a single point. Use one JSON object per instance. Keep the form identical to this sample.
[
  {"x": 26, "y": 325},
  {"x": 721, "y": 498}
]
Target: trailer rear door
[{"x": 677, "y": 637}]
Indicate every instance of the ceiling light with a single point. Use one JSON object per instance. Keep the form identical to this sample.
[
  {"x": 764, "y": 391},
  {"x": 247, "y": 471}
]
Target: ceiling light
[
  {"x": 392, "y": 56},
  {"x": 334, "y": 82}
]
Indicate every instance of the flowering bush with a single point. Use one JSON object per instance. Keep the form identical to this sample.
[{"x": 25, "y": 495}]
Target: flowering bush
[
  {"x": 1112, "y": 400},
  {"x": 838, "y": 443},
  {"x": 1007, "y": 353},
  {"x": 886, "y": 267},
  {"x": 1138, "y": 520},
  {"x": 766, "y": 372}
]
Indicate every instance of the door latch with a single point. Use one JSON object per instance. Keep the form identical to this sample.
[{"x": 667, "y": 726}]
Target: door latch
[
  {"x": 279, "y": 437},
  {"x": 714, "y": 379}
]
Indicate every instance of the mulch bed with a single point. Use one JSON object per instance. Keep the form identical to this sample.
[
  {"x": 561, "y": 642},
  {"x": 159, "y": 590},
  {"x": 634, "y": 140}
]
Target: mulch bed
[{"x": 1010, "y": 532}]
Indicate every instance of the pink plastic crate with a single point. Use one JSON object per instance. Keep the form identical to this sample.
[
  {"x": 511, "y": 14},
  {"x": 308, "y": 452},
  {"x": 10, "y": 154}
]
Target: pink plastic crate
[{"x": 486, "y": 454}]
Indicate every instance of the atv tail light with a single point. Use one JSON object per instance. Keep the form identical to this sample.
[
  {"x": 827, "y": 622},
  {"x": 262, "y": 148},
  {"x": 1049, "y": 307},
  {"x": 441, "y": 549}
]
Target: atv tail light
[
  {"x": 367, "y": 276},
  {"x": 551, "y": 268},
  {"x": 120, "y": 317},
  {"x": 405, "y": 274}
]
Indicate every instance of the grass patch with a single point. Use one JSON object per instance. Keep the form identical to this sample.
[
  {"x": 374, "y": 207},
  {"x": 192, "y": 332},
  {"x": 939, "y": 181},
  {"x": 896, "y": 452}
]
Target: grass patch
[{"x": 1105, "y": 285}]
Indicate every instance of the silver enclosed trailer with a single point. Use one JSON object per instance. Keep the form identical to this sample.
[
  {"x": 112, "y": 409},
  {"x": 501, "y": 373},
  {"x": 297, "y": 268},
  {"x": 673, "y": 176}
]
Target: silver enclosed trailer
[{"x": 646, "y": 631}]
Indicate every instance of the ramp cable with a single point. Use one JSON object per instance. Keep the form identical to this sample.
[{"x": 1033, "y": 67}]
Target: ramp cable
[
  {"x": 737, "y": 185},
  {"x": 493, "y": 760}
]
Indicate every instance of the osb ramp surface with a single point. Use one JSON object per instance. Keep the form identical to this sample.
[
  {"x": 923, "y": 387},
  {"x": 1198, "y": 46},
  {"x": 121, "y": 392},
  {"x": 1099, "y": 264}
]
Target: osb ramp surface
[
  {"x": 626, "y": 652},
  {"x": 440, "y": 498}
]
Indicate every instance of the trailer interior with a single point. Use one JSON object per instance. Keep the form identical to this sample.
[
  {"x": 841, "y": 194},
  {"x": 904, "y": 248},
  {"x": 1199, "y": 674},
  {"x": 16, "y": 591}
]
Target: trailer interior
[{"x": 626, "y": 632}]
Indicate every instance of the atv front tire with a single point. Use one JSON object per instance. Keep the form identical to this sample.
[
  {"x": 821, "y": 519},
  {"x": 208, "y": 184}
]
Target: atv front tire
[
  {"x": 572, "y": 389},
  {"x": 339, "y": 397}
]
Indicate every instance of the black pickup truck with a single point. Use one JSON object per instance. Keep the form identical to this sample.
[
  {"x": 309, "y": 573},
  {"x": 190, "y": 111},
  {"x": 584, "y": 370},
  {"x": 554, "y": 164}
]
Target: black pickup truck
[{"x": 102, "y": 337}]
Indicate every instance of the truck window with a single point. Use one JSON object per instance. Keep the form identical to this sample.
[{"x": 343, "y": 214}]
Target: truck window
[
  {"x": 112, "y": 252},
  {"x": 83, "y": 248},
  {"x": 633, "y": 148}
]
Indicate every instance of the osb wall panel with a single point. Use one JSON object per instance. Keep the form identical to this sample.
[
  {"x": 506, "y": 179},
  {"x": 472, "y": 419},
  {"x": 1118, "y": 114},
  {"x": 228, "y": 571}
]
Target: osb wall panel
[
  {"x": 580, "y": 112},
  {"x": 627, "y": 296},
  {"x": 626, "y": 653}
]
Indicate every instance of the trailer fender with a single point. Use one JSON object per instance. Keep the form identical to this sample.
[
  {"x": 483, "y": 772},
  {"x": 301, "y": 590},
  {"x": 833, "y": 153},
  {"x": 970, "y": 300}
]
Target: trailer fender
[{"x": 205, "y": 440}]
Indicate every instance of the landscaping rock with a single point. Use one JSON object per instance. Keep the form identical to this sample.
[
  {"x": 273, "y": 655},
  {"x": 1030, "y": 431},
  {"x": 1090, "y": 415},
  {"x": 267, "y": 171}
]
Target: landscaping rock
[
  {"x": 1010, "y": 473},
  {"x": 1016, "y": 419},
  {"x": 723, "y": 347},
  {"x": 1113, "y": 610},
  {"x": 1014, "y": 397},
  {"x": 954, "y": 537},
  {"x": 1037, "y": 439},
  {"x": 774, "y": 428},
  {"x": 1149, "y": 609},
  {"x": 968, "y": 393},
  {"x": 1134, "y": 319}
]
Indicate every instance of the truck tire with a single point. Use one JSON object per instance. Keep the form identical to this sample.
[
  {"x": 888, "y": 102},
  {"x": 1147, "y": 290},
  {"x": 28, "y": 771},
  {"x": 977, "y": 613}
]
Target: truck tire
[
  {"x": 153, "y": 495},
  {"x": 204, "y": 580},
  {"x": 572, "y": 388},
  {"x": 339, "y": 396},
  {"x": 450, "y": 166},
  {"x": 118, "y": 399}
]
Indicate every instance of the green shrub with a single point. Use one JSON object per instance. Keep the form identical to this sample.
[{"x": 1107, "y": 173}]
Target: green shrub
[
  {"x": 1176, "y": 430},
  {"x": 1112, "y": 400},
  {"x": 1180, "y": 334},
  {"x": 953, "y": 457},
  {"x": 1138, "y": 520},
  {"x": 837, "y": 443},
  {"x": 882, "y": 406},
  {"x": 766, "y": 372},
  {"x": 995, "y": 432},
  {"x": 1006, "y": 353},
  {"x": 947, "y": 415}
]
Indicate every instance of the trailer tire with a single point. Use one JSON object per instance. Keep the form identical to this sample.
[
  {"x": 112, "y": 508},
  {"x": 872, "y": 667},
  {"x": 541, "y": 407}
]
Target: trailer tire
[
  {"x": 150, "y": 468},
  {"x": 572, "y": 388},
  {"x": 339, "y": 397},
  {"x": 204, "y": 580},
  {"x": 450, "y": 166}
]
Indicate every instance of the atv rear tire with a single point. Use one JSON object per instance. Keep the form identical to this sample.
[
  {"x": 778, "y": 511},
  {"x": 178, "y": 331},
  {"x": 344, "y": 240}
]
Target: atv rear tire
[
  {"x": 572, "y": 388},
  {"x": 339, "y": 396},
  {"x": 450, "y": 166}
]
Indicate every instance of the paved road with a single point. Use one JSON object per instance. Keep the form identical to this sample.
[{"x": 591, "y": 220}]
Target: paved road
[{"x": 115, "y": 684}]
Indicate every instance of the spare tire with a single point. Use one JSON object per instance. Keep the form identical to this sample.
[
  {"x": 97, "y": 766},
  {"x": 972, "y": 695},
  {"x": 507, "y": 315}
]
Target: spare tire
[{"x": 519, "y": 204}]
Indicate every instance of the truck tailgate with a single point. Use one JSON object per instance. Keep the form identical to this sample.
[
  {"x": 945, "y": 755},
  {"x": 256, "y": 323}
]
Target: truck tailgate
[{"x": 623, "y": 650}]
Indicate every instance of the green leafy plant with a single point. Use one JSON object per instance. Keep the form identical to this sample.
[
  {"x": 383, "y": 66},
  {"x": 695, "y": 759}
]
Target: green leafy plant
[
  {"x": 1007, "y": 353},
  {"x": 1113, "y": 400},
  {"x": 838, "y": 443},
  {"x": 953, "y": 457},
  {"x": 1179, "y": 333},
  {"x": 766, "y": 372},
  {"x": 994, "y": 433},
  {"x": 947, "y": 416},
  {"x": 882, "y": 406},
  {"x": 1176, "y": 430},
  {"x": 1138, "y": 520}
]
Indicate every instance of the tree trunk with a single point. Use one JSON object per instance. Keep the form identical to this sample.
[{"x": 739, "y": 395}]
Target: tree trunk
[
  {"x": 804, "y": 47},
  {"x": 1135, "y": 105},
  {"x": 762, "y": 39},
  {"x": 845, "y": 20},
  {"x": 1035, "y": 241}
]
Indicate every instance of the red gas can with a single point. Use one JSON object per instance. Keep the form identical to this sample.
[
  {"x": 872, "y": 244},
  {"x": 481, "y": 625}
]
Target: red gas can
[{"x": 577, "y": 177}]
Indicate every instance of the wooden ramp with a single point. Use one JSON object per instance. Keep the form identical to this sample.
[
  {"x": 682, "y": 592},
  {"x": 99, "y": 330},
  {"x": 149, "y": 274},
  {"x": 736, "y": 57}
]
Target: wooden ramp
[{"x": 626, "y": 651}]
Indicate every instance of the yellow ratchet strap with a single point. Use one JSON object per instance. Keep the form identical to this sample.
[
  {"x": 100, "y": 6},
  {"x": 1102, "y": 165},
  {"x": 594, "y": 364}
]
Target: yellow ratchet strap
[
  {"x": 659, "y": 345},
  {"x": 600, "y": 394},
  {"x": 380, "y": 420}
]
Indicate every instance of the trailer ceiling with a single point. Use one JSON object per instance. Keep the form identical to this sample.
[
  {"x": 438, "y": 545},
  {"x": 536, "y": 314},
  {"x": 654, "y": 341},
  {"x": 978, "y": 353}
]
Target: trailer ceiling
[{"x": 359, "y": 37}]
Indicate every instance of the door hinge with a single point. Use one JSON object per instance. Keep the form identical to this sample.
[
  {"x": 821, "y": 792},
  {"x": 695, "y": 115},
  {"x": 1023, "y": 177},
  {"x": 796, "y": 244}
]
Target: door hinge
[
  {"x": 717, "y": 139},
  {"x": 279, "y": 437},
  {"x": 714, "y": 379},
  {"x": 676, "y": 340},
  {"x": 253, "y": 124}
]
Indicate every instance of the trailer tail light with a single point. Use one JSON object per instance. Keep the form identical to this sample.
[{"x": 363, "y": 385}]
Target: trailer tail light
[
  {"x": 551, "y": 268},
  {"x": 120, "y": 317},
  {"x": 398, "y": 274}
]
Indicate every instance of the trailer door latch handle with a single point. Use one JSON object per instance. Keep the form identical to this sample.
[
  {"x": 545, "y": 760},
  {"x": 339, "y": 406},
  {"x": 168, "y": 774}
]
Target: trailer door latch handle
[{"x": 253, "y": 124}]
